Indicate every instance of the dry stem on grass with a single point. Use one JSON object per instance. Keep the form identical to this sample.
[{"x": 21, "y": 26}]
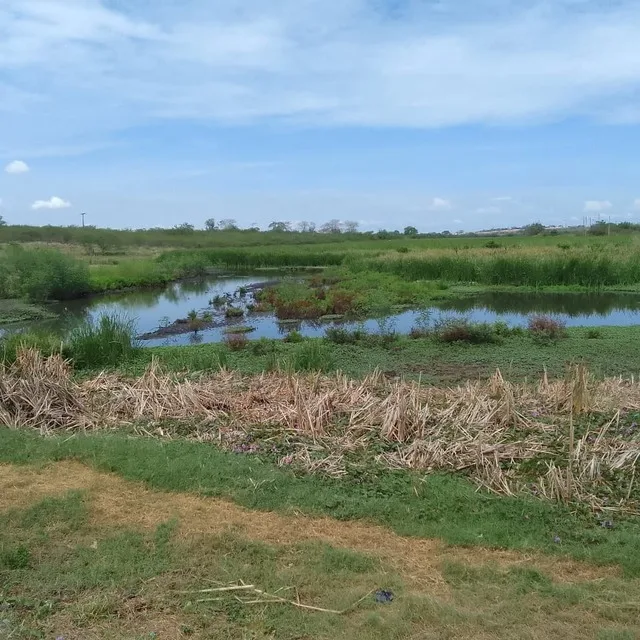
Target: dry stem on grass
[{"x": 486, "y": 429}]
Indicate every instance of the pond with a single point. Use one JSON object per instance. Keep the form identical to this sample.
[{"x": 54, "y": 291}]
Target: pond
[{"x": 154, "y": 308}]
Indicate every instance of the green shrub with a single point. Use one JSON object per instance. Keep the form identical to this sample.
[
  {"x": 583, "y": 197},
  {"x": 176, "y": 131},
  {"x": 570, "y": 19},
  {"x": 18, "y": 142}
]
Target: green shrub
[
  {"x": 293, "y": 337},
  {"x": 340, "y": 335},
  {"x": 312, "y": 356},
  {"x": 233, "y": 312},
  {"x": 464, "y": 331},
  {"x": 545, "y": 329},
  {"x": 107, "y": 341},
  {"x": 42, "y": 274},
  {"x": 594, "y": 334}
]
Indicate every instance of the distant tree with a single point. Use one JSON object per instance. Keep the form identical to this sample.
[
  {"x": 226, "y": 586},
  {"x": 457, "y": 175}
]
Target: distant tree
[
  {"x": 253, "y": 227},
  {"x": 333, "y": 226},
  {"x": 534, "y": 229},
  {"x": 210, "y": 225},
  {"x": 280, "y": 226},
  {"x": 600, "y": 228},
  {"x": 3, "y": 222},
  {"x": 306, "y": 227},
  {"x": 410, "y": 231},
  {"x": 185, "y": 227},
  {"x": 350, "y": 226},
  {"x": 228, "y": 224}
]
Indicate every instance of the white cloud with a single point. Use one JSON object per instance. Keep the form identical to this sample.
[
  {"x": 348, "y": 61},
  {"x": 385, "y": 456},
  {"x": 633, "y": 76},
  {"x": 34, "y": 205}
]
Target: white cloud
[
  {"x": 596, "y": 206},
  {"x": 440, "y": 204},
  {"x": 502, "y": 199},
  {"x": 636, "y": 203},
  {"x": 458, "y": 221},
  {"x": 17, "y": 166},
  {"x": 101, "y": 65},
  {"x": 488, "y": 210},
  {"x": 52, "y": 203}
]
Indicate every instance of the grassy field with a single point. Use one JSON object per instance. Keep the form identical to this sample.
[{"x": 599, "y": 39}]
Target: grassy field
[{"x": 283, "y": 489}]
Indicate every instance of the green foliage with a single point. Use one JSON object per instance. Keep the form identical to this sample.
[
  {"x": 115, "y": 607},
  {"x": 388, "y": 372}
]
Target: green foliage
[
  {"x": 107, "y": 341},
  {"x": 42, "y": 274},
  {"x": 464, "y": 331},
  {"x": 45, "y": 342},
  {"x": 311, "y": 356},
  {"x": 546, "y": 329}
]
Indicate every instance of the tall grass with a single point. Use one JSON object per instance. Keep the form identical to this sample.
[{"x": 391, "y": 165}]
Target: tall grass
[
  {"x": 108, "y": 341},
  {"x": 520, "y": 269},
  {"x": 42, "y": 274}
]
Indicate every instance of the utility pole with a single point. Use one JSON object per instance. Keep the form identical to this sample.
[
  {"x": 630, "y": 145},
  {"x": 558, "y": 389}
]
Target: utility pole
[{"x": 83, "y": 215}]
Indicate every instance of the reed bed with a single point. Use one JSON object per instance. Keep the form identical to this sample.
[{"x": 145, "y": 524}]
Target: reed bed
[{"x": 509, "y": 438}]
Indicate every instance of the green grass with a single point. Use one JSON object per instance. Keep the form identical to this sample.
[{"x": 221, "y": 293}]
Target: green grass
[
  {"x": 107, "y": 341},
  {"x": 437, "y": 505},
  {"x": 612, "y": 353},
  {"x": 70, "y": 578}
]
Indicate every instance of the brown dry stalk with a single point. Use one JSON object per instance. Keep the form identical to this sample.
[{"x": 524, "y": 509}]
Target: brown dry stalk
[{"x": 484, "y": 428}]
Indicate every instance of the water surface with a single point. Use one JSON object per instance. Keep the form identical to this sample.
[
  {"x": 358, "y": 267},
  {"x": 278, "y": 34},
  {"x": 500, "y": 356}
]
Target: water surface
[{"x": 153, "y": 308}]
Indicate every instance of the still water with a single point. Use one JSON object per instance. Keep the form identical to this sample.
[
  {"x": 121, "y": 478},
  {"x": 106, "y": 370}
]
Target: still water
[{"x": 153, "y": 308}]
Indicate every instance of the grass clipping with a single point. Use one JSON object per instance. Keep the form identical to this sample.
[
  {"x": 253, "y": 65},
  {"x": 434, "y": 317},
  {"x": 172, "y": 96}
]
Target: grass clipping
[{"x": 508, "y": 438}]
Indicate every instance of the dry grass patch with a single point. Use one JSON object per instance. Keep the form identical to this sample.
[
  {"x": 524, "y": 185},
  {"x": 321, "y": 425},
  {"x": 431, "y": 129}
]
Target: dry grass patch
[
  {"x": 116, "y": 502},
  {"x": 494, "y": 431}
]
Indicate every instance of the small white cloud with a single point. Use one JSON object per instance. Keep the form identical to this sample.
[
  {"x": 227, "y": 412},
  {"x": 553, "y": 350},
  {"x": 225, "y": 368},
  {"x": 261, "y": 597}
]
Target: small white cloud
[
  {"x": 17, "y": 166},
  {"x": 636, "y": 203},
  {"x": 52, "y": 203},
  {"x": 595, "y": 206},
  {"x": 458, "y": 221},
  {"x": 440, "y": 204},
  {"x": 486, "y": 210},
  {"x": 502, "y": 199}
]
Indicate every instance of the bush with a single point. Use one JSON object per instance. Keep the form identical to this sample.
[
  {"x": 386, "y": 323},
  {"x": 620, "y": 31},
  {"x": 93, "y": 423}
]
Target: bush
[
  {"x": 546, "y": 329},
  {"x": 233, "y": 312},
  {"x": 594, "y": 334},
  {"x": 262, "y": 347},
  {"x": 464, "y": 331},
  {"x": 42, "y": 274},
  {"x": 312, "y": 356},
  {"x": 340, "y": 335},
  {"x": 236, "y": 341},
  {"x": 293, "y": 337},
  {"x": 107, "y": 341}
]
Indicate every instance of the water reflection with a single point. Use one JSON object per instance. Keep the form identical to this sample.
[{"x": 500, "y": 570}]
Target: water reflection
[
  {"x": 150, "y": 307},
  {"x": 572, "y": 305}
]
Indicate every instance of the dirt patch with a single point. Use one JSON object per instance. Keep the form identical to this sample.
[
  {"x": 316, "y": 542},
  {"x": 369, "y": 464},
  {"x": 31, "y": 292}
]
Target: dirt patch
[
  {"x": 114, "y": 501},
  {"x": 451, "y": 372}
]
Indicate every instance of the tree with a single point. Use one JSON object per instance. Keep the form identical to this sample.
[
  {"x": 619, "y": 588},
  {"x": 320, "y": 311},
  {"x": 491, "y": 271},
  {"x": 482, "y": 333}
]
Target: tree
[
  {"x": 351, "y": 226},
  {"x": 185, "y": 227},
  {"x": 280, "y": 227},
  {"x": 410, "y": 231},
  {"x": 534, "y": 229},
  {"x": 3, "y": 222},
  {"x": 306, "y": 227},
  {"x": 210, "y": 225},
  {"x": 228, "y": 224},
  {"x": 333, "y": 226}
]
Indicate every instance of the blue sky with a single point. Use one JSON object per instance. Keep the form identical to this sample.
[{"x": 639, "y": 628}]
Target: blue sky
[{"x": 437, "y": 113}]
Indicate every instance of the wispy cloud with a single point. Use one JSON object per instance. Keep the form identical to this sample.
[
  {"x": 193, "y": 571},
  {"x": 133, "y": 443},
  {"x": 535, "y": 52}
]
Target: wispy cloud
[
  {"x": 597, "y": 206},
  {"x": 488, "y": 210},
  {"x": 502, "y": 199},
  {"x": 104, "y": 65},
  {"x": 440, "y": 204},
  {"x": 54, "y": 202},
  {"x": 16, "y": 167}
]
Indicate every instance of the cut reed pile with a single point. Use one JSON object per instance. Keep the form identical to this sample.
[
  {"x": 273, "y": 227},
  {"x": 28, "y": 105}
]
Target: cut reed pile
[{"x": 497, "y": 432}]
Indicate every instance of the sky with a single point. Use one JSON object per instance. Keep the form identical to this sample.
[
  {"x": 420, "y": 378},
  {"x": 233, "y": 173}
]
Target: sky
[{"x": 438, "y": 114}]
